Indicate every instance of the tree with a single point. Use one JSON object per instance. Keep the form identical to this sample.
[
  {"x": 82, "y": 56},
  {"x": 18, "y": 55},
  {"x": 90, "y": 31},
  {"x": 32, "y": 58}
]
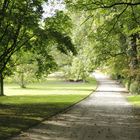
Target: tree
[
  {"x": 20, "y": 28},
  {"x": 29, "y": 66},
  {"x": 18, "y": 23},
  {"x": 80, "y": 66}
]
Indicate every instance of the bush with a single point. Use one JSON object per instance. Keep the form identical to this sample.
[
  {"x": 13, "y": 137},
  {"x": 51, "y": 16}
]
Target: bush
[
  {"x": 126, "y": 83},
  {"x": 135, "y": 87}
]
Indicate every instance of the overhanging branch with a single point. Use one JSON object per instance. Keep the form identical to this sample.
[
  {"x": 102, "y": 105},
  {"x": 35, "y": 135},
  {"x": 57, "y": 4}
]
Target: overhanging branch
[
  {"x": 117, "y": 19},
  {"x": 121, "y": 3},
  {"x": 103, "y": 5}
]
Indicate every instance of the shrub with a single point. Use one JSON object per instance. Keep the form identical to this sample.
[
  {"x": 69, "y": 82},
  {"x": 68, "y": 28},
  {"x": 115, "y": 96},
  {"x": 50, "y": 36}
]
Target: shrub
[{"x": 135, "y": 87}]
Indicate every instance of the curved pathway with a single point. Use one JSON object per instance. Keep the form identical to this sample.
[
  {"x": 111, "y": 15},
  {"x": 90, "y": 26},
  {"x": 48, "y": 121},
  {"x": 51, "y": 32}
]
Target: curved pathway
[{"x": 105, "y": 115}]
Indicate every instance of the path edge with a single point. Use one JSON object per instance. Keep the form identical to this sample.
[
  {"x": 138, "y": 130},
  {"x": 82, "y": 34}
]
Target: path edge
[{"x": 55, "y": 114}]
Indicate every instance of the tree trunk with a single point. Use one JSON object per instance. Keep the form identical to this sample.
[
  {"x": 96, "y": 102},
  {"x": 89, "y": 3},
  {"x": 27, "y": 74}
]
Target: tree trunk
[
  {"x": 1, "y": 86},
  {"x": 133, "y": 60},
  {"x": 22, "y": 80}
]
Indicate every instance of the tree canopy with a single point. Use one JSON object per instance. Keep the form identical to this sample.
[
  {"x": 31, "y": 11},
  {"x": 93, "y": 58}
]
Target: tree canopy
[
  {"x": 20, "y": 29},
  {"x": 115, "y": 36}
]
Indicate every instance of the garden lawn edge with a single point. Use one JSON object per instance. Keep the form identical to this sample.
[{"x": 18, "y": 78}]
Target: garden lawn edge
[{"x": 55, "y": 114}]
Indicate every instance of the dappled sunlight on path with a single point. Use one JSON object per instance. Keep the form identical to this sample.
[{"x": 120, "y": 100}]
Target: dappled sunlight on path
[{"x": 105, "y": 115}]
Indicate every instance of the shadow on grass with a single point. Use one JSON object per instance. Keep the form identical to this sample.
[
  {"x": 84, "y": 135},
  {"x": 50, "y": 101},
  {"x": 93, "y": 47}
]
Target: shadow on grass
[{"x": 19, "y": 117}]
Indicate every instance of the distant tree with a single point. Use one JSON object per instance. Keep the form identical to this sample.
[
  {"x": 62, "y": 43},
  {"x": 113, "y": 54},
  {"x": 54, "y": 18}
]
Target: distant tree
[
  {"x": 81, "y": 65},
  {"x": 29, "y": 67}
]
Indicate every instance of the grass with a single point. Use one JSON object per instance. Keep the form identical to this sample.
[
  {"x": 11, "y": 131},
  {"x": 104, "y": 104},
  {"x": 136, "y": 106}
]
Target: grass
[
  {"x": 134, "y": 99},
  {"x": 23, "y": 108}
]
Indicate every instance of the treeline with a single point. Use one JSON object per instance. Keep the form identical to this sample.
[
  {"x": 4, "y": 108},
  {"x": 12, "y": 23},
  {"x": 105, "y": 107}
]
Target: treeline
[{"x": 110, "y": 30}]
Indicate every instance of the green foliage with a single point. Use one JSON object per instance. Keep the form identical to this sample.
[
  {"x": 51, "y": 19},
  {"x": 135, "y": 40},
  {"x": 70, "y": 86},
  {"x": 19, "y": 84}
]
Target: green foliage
[
  {"x": 80, "y": 66},
  {"x": 60, "y": 22},
  {"x": 25, "y": 69},
  {"x": 19, "y": 21},
  {"x": 31, "y": 66},
  {"x": 64, "y": 42},
  {"x": 114, "y": 35},
  {"x": 135, "y": 87},
  {"x": 59, "y": 30},
  {"x": 77, "y": 71},
  {"x": 20, "y": 29}
]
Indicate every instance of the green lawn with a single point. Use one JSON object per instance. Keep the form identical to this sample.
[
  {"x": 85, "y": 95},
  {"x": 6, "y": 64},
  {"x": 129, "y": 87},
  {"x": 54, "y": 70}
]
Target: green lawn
[
  {"x": 135, "y": 100},
  {"x": 23, "y": 108}
]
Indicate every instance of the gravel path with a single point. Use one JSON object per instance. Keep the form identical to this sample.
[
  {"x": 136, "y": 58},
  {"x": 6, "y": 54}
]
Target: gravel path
[{"x": 105, "y": 115}]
